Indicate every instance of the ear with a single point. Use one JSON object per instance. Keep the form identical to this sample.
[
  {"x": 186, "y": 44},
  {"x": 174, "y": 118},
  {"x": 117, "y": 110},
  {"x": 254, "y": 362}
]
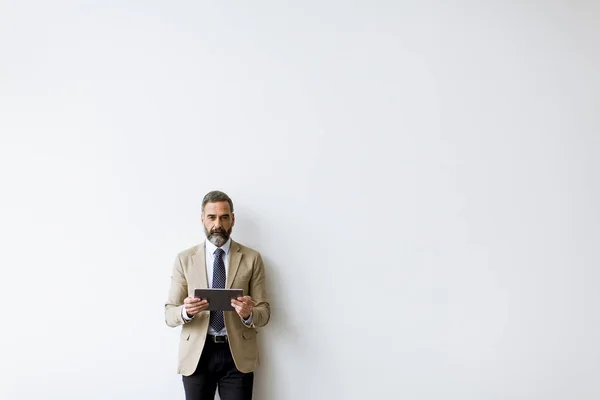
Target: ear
[{"x": 232, "y": 219}]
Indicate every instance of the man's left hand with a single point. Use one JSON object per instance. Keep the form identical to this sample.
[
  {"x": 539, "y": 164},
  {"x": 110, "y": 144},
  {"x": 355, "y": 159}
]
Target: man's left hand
[{"x": 243, "y": 306}]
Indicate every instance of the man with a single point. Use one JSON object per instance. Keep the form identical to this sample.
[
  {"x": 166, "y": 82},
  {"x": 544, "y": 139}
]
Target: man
[{"x": 218, "y": 349}]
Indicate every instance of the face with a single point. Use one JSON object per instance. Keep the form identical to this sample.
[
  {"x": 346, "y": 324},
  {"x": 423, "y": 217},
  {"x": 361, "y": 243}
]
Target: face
[{"x": 218, "y": 222}]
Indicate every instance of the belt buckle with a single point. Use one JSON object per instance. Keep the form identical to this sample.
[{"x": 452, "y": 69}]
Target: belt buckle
[{"x": 220, "y": 339}]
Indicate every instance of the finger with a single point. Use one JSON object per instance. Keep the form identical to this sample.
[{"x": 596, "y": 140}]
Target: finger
[
  {"x": 237, "y": 302},
  {"x": 197, "y": 307},
  {"x": 246, "y": 300},
  {"x": 241, "y": 312}
]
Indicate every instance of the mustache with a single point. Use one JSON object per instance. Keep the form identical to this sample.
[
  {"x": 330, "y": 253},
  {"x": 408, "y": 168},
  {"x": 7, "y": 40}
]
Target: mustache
[{"x": 220, "y": 231}]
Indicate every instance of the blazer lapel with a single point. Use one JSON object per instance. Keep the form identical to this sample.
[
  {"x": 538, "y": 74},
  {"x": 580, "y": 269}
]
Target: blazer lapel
[
  {"x": 197, "y": 273},
  {"x": 235, "y": 256}
]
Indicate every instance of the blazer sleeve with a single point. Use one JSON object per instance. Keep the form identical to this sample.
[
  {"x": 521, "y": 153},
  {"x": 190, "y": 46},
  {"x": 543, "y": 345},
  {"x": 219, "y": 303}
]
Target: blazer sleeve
[
  {"x": 258, "y": 292},
  {"x": 177, "y": 294}
]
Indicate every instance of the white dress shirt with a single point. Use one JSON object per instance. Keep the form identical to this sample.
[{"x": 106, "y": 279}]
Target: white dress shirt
[{"x": 210, "y": 249}]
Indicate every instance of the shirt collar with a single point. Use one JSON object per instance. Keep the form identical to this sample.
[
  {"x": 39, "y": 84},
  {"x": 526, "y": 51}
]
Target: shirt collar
[{"x": 211, "y": 248}]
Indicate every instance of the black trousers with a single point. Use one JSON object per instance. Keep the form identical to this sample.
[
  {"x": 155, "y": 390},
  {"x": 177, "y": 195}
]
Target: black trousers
[{"x": 216, "y": 369}]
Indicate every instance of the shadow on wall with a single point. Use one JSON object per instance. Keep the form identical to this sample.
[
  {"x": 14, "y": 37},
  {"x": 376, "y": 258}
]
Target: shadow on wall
[
  {"x": 267, "y": 373},
  {"x": 279, "y": 331}
]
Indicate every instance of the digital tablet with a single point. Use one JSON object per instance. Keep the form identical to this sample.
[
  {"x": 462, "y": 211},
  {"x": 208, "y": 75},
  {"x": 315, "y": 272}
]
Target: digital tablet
[{"x": 219, "y": 299}]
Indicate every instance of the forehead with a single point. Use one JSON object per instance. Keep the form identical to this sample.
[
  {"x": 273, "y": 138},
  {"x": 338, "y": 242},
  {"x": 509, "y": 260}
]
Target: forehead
[{"x": 218, "y": 208}]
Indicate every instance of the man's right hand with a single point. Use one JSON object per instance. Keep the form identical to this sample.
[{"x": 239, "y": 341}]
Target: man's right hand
[{"x": 194, "y": 305}]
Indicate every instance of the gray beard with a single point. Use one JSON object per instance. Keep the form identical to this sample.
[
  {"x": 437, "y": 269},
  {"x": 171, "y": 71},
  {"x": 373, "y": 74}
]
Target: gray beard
[{"x": 217, "y": 239}]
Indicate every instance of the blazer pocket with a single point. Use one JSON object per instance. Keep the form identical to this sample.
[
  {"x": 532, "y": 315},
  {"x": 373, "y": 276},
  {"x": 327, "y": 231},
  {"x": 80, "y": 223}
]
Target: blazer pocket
[{"x": 249, "y": 334}]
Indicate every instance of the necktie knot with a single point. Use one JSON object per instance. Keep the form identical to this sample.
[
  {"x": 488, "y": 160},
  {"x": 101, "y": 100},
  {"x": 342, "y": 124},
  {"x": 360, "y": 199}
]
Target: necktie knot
[{"x": 219, "y": 252}]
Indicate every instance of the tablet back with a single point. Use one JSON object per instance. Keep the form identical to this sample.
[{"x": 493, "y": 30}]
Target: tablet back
[{"x": 219, "y": 299}]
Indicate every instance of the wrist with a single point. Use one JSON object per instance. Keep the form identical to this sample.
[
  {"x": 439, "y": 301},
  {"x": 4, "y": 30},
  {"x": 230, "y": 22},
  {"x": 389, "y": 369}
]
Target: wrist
[{"x": 186, "y": 315}]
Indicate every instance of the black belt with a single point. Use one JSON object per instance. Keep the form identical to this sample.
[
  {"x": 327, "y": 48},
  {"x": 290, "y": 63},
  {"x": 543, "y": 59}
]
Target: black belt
[{"x": 218, "y": 339}]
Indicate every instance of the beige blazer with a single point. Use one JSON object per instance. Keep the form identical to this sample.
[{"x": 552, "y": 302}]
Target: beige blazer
[{"x": 245, "y": 271}]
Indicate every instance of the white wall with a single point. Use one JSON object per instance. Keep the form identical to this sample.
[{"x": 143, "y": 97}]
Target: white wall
[{"x": 421, "y": 178}]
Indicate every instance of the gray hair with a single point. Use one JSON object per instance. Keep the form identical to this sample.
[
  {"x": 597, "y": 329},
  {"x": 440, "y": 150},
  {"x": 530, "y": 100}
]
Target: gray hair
[{"x": 214, "y": 197}]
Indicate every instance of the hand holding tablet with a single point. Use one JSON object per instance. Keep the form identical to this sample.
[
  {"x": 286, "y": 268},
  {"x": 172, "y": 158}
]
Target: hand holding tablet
[{"x": 218, "y": 299}]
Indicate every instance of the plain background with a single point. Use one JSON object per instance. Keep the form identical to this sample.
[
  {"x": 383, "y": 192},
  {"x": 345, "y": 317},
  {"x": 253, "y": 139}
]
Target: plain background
[{"x": 422, "y": 179}]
